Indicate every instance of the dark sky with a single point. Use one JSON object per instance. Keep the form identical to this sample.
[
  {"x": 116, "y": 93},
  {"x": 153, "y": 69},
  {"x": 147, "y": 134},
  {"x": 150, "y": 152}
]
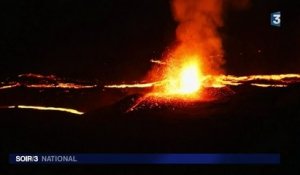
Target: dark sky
[{"x": 115, "y": 39}]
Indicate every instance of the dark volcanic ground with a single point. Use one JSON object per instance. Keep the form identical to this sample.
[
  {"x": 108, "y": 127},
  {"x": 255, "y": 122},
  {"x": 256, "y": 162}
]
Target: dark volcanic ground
[{"x": 253, "y": 120}]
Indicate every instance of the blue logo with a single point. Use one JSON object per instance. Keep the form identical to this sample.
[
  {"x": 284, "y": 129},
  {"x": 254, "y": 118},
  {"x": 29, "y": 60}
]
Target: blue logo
[{"x": 275, "y": 19}]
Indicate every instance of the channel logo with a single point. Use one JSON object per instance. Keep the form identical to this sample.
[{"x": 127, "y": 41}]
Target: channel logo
[
  {"x": 276, "y": 19},
  {"x": 22, "y": 158}
]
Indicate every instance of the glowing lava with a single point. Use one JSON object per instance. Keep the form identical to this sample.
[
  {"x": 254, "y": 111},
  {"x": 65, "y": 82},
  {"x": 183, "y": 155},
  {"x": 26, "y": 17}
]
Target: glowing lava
[
  {"x": 189, "y": 79},
  {"x": 44, "y": 108},
  {"x": 185, "y": 79},
  {"x": 45, "y": 82},
  {"x": 137, "y": 85}
]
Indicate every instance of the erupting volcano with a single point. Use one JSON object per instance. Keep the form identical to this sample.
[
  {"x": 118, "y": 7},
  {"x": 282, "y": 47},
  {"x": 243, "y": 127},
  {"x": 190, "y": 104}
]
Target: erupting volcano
[
  {"x": 194, "y": 62},
  {"x": 188, "y": 70},
  {"x": 119, "y": 81},
  {"x": 195, "y": 50}
]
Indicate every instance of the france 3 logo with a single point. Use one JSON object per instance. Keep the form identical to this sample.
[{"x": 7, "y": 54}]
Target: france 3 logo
[{"x": 276, "y": 19}]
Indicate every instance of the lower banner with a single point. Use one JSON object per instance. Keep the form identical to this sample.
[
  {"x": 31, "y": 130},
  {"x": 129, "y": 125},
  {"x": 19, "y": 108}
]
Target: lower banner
[{"x": 135, "y": 158}]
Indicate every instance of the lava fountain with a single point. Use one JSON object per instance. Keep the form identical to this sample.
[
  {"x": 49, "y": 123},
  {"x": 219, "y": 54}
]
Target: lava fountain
[
  {"x": 183, "y": 79},
  {"x": 196, "y": 52}
]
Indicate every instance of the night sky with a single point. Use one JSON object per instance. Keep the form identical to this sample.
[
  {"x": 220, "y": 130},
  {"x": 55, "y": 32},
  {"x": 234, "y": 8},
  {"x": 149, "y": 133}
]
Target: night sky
[{"x": 113, "y": 40}]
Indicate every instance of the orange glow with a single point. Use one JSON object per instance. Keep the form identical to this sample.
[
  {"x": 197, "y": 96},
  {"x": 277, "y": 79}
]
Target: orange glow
[{"x": 196, "y": 33}]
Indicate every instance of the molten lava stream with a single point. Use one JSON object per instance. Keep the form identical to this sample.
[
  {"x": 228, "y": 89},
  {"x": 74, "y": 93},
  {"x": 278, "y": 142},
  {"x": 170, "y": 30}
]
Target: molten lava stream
[
  {"x": 45, "y": 108},
  {"x": 188, "y": 85}
]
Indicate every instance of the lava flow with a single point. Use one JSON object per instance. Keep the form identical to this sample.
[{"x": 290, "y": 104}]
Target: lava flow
[
  {"x": 44, "y": 108},
  {"x": 38, "y": 81},
  {"x": 189, "y": 85}
]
